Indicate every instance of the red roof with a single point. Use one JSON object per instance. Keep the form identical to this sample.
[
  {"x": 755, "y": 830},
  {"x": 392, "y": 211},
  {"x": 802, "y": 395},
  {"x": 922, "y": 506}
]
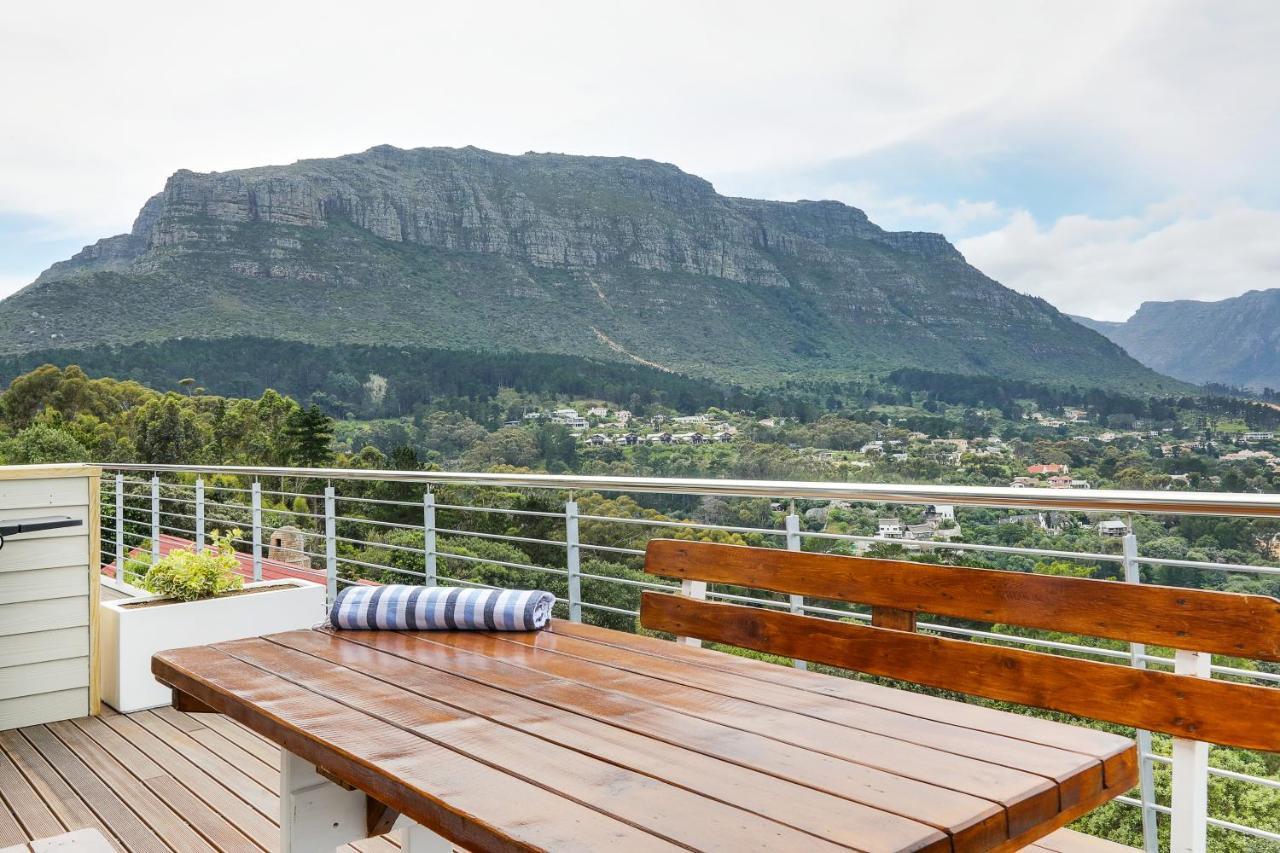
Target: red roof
[
  {"x": 271, "y": 569},
  {"x": 1050, "y": 468}
]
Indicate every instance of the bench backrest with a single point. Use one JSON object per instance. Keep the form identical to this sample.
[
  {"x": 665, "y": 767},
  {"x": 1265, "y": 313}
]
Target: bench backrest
[{"x": 1222, "y": 712}]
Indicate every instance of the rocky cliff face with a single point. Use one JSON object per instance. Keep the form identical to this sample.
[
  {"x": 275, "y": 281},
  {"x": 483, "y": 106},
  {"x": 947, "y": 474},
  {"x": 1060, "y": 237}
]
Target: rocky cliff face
[
  {"x": 612, "y": 257},
  {"x": 1234, "y": 341}
]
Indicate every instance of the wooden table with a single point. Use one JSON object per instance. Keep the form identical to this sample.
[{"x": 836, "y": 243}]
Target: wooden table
[{"x": 581, "y": 738}]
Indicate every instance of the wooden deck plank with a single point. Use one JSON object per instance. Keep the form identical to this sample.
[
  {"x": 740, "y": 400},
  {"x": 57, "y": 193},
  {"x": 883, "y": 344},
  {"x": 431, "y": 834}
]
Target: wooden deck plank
[
  {"x": 204, "y": 819},
  {"x": 641, "y": 800},
  {"x": 31, "y": 812},
  {"x": 247, "y": 739},
  {"x": 263, "y": 829},
  {"x": 785, "y": 782},
  {"x": 122, "y": 822},
  {"x": 72, "y": 812},
  {"x": 244, "y": 786},
  {"x": 11, "y": 832},
  {"x": 163, "y": 821}
]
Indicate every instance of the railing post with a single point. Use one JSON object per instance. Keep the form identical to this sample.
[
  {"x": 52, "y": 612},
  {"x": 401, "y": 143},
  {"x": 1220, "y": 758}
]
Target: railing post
[
  {"x": 1190, "y": 800},
  {"x": 330, "y": 546},
  {"x": 155, "y": 519},
  {"x": 573, "y": 560},
  {"x": 429, "y": 537},
  {"x": 794, "y": 544},
  {"x": 120, "y": 529},
  {"x": 692, "y": 589},
  {"x": 256, "y": 500},
  {"x": 1146, "y": 766},
  {"x": 199, "y": 513}
]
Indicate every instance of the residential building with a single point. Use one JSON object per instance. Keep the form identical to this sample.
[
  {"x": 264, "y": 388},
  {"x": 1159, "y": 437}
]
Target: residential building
[{"x": 891, "y": 528}]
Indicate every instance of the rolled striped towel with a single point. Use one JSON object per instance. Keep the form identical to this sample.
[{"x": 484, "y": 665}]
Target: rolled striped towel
[{"x": 437, "y": 608}]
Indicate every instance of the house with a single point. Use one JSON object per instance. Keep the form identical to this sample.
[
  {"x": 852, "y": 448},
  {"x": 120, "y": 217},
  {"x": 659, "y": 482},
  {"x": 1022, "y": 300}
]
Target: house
[
  {"x": 658, "y": 438},
  {"x": 691, "y": 419},
  {"x": 1024, "y": 482},
  {"x": 723, "y": 435},
  {"x": 1033, "y": 518},
  {"x": 872, "y": 447},
  {"x": 1080, "y": 484},
  {"x": 940, "y": 513},
  {"x": 688, "y": 438},
  {"x": 1061, "y": 481},
  {"x": 565, "y": 413},
  {"x": 1050, "y": 468},
  {"x": 622, "y": 416},
  {"x": 597, "y": 412},
  {"x": 630, "y": 439},
  {"x": 1258, "y": 436},
  {"x": 919, "y": 532},
  {"x": 890, "y": 528},
  {"x": 599, "y": 440},
  {"x": 1113, "y": 527}
]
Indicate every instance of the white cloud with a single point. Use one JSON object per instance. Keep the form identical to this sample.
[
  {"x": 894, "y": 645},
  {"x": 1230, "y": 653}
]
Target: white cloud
[{"x": 1105, "y": 268}]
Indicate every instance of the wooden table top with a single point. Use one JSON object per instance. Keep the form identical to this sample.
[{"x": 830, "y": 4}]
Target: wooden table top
[{"x": 581, "y": 738}]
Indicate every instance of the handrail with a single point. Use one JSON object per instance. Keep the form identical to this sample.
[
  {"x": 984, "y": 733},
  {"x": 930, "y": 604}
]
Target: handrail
[{"x": 1080, "y": 500}]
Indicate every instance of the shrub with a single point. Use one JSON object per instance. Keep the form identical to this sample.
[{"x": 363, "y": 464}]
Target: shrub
[{"x": 190, "y": 575}]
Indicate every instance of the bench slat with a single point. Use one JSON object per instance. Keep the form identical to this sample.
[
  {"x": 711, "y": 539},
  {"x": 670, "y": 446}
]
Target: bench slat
[
  {"x": 1196, "y": 620},
  {"x": 1215, "y": 711}
]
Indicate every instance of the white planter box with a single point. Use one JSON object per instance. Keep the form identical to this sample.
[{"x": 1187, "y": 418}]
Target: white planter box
[{"x": 130, "y": 635}]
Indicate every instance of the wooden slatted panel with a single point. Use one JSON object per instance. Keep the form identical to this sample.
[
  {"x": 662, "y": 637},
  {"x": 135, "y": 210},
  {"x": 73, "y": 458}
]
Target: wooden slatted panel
[
  {"x": 1215, "y": 711},
  {"x": 433, "y": 785},
  {"x": 1197, "y": 620},
  {"x": 1026, "y": 797},
  {"x": 1115, "y": 751},
  {"x": 682, "y": 817},
  {"x": 383, "y": 656}
]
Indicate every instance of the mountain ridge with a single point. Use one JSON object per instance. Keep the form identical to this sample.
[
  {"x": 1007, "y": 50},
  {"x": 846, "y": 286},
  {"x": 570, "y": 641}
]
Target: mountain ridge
[
  {"x": 1233, "y": 341},
  {"x": 613, "y": 258}
]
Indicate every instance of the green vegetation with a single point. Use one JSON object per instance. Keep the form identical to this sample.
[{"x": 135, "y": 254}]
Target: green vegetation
[
  {"x": 191, "y": 574},
  {"x": 953, "y": 430}
]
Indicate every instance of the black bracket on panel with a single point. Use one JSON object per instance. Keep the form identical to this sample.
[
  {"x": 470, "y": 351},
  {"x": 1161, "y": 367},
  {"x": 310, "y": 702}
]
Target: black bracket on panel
[{"x": 31, "y": 525}]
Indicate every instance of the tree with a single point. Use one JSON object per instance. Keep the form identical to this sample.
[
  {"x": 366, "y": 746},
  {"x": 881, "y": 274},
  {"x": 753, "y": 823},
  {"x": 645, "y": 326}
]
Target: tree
[
  {"x": 309, "y": 436},
  {"x": 42, "y": 443}
]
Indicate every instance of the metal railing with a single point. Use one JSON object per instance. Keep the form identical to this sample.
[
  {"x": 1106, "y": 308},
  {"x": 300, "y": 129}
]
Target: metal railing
[{"x": 141, "y": 504}]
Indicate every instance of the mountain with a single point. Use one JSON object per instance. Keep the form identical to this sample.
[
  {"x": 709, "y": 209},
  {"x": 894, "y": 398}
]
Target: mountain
[
  {"x": 1234, "y": 341},
  {"x": 601, "y": 258}
]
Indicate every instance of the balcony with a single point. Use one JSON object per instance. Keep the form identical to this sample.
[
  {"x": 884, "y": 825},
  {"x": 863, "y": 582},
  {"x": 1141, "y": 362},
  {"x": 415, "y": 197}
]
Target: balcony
[{"x": 149, "y": 778}]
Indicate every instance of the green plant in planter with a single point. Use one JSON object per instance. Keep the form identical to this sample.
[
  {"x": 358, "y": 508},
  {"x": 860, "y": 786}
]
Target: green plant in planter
[{"x": 192, "y": 575}]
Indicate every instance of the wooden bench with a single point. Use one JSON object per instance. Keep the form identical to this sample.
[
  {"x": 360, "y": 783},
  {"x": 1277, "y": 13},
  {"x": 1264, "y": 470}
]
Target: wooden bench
[{"x": 1186, "y": 703}]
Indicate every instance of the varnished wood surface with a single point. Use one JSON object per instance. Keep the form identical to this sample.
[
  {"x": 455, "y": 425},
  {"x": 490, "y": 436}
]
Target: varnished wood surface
[
  {"x": 1196, "y": 620},
  {"x": 150, "y": 781},
  {"x": 584, "y": 738},
  {"x": 1209, "y": 710}
]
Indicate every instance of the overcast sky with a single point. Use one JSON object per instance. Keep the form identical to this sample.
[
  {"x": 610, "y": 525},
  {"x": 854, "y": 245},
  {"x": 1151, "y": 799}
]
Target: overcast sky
[{"x": 1095, "y": 154}]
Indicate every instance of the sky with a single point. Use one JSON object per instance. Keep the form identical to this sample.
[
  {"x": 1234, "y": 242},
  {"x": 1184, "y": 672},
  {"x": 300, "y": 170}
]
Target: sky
[{"x": 1096, "y": 154}]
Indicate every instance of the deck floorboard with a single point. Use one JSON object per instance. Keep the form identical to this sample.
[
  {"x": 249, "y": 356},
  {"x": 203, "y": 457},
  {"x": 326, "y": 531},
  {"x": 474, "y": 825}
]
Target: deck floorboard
[{"x": 152, "y": 781}]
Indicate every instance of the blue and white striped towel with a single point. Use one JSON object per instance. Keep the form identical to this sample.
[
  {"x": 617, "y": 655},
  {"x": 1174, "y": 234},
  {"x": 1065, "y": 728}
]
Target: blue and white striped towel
[{"x": 436, "y": 608}]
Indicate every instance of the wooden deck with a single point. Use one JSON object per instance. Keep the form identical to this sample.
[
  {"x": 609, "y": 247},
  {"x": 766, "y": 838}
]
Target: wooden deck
[{"x": 152, "y": 781}]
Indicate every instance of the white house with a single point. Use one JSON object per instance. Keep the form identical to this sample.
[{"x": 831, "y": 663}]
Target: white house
[
  {"x": 940, "y": 512},
  {"x": 890, "y": 528},
  {"x": 1113, "y": 527},
  {"x": 597, "y": 412}
]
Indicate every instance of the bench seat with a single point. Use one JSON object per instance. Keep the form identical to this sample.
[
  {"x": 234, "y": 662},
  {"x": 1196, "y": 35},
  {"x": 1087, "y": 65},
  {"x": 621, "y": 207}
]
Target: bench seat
[{"x": 1068, "y": 841}]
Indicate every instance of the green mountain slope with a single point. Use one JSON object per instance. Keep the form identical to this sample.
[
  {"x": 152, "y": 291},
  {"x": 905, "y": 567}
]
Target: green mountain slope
[
  {"x": 1233, "y": 341},
  {"x": 604, "y": 258}
]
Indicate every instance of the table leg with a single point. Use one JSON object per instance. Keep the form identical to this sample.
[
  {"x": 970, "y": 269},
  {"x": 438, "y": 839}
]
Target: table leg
[{"x": 315, "y": 813}]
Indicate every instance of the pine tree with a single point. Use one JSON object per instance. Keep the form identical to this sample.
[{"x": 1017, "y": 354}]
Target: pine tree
[{"x": 308, "y": 434}]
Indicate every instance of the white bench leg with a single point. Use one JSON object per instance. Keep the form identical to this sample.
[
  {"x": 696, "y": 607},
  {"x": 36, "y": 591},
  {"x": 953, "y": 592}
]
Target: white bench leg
[
  {"x": 416, "y": 838},
  {"x": 315, "y": 813}
]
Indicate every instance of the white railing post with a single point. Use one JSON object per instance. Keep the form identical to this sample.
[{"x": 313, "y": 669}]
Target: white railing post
[
  {"x": 573, "y": 560},
  {"x": 155, "y": 519},
  {"x": 120, "y": 529},
  {"x": 1146, "y": 766},
  {"x": 794, "y": 544},
  {"x": 1190, "y": 800},
  {"x": 199, "y": 513},
  {"x": 330, "y": 545},
  {"x": 256, "y": 509},
  {"x": 429, "y": 538}
]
